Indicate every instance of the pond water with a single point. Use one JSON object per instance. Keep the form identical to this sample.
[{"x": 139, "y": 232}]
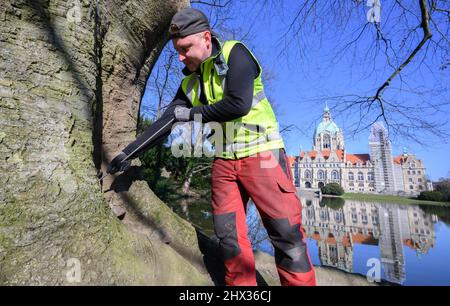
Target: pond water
[{"x": 403, "y": 244}]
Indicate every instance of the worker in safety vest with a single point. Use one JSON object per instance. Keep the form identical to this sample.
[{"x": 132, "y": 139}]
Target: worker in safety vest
[{"x": 223, "y": 84}]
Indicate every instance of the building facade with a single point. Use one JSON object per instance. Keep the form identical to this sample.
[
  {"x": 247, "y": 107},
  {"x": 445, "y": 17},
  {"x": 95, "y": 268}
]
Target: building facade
[{"x": 374, "y": 172}]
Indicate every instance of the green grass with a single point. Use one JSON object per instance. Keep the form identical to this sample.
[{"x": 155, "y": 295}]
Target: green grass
[{"x": 389, "y": 198}]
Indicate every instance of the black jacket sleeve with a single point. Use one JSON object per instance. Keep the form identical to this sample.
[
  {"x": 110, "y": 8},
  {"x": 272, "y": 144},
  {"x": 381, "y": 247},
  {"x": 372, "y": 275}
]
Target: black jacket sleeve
[
  {"x": 242, "y": 70},
  {"x": 180, "y": 99}
]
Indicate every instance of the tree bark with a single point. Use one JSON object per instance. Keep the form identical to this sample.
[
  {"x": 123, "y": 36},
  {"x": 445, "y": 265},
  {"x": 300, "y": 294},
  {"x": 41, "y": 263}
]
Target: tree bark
[
  {"x": 72, "y": 74},
  {"x": 186, "y": 187}
]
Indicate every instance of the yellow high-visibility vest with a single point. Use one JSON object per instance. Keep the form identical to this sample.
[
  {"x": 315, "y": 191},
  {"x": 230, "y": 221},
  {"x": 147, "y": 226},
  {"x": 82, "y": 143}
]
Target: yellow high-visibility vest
[{"x": 253, "y": 133}]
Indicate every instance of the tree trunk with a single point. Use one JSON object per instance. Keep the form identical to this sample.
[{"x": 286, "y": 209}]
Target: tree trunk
[
  {"x": 72, "y": 74},
  {"x": 187, "y": 185}
]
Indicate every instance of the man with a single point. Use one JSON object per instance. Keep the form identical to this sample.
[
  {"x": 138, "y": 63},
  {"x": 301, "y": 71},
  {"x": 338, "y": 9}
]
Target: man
[{"x": 223, "y": 84}]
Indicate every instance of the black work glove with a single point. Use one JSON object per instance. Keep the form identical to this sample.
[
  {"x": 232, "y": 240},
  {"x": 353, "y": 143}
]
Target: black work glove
[
  {"x": 118, "y": 164},
  {"x": 182, "y": 113}
]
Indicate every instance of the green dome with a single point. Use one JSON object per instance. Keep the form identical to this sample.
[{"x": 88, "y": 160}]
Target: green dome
[{"x": 327, "y": 126}]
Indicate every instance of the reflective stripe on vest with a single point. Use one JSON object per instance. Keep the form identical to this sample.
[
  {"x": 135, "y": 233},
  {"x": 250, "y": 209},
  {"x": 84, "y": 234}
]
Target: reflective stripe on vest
[
  {"x": 233, "y": 147},
  {"x": 258, "y": 97},
  {"x": 190, "y": 87}
]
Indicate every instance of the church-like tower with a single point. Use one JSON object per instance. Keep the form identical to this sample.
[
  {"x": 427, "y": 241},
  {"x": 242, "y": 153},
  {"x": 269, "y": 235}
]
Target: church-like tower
[
  {"x": 328, "y": 136},
  {"x": 381, "y": 158}
]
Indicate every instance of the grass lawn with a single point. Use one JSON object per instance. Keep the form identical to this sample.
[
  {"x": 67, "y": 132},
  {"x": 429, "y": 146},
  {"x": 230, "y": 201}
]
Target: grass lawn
[{"x": 388, "y": 198}]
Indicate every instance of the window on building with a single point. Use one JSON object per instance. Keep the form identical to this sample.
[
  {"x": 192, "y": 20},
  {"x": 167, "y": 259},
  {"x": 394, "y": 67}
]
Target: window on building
[
  {"x": 360, "y": 176},
  {"x": 338, "y": 217},
  {"x": 323, "y": 215},
  {"x": 364, "y": 219},
  {"x": 374, "y": 219},
  {"x": 419, "y": 180},
  {"x": 354, "y": 216},
  {"x": 307, "y": 174},
  {"x": 411, "y": 187},
  {"x": 414, "y": 172},
  {"x": 419, "y": 172},
  {"x": 335, "y": 175},
  {"x": 350, "y": 176},
  {"x": 409, "y": 172},
  {"x": 420, "y": 187},
  {"x": 410, "y": 179},
  {"x": 326, "y": 141},
  {"x": 370, "y": 176},
  {"x": 320, "y": 175}
]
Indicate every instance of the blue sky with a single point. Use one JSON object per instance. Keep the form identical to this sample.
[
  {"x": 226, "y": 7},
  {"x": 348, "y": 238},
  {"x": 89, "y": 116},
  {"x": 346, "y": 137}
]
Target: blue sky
[{"x": 311, "y": 70}]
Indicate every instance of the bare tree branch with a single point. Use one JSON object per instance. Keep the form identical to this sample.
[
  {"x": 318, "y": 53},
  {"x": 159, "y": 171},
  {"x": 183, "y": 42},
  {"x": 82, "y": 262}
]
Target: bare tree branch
[
  {"x": 214, "y": 3},
  {"x": 426, "y": 35}
]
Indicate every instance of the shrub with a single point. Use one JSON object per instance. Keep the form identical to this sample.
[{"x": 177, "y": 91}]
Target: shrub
[
  {"x": 431, "y": 196},
  {"x": 443, "y": 186},
  {"x": 333, "y": 189}
]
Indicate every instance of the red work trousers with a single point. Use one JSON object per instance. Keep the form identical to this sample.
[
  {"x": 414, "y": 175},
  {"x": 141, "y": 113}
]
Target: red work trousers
[{"x": 266, "y": 178}]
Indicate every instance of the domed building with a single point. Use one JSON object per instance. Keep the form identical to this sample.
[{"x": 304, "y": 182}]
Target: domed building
[
  {"x": 377, "y": 172},
  {"x": 328, "y": 136}
]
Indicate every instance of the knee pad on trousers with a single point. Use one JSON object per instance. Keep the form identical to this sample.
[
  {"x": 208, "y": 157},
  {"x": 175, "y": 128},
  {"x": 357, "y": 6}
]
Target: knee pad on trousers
[
  {"x": 225, "y": 229},
  {"x": 290, "y": 250}
]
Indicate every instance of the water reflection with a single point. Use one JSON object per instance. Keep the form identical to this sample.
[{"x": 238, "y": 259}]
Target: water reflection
[
  {"x": 346, "y": 234},
  {"x": 196, "y": 211},
  {"x": 338, "y": 228}
]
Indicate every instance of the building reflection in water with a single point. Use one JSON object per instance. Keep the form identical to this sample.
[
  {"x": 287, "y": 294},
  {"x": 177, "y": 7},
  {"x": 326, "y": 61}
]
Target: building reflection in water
[{"x": 337, "y": 228}]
